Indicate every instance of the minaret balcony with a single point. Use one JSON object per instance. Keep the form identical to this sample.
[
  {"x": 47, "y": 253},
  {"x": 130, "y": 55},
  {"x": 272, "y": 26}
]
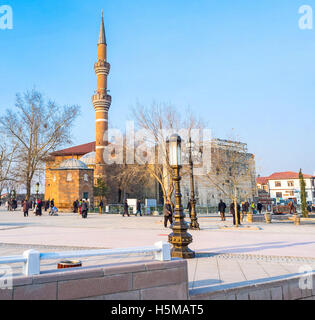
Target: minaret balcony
[
  {"x": 101, "y": 100},
  {"x": 102, "y": 67}
]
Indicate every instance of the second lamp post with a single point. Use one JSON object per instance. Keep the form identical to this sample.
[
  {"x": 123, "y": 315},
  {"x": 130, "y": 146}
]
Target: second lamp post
[
  {"x": 194, "y": 225},
  {"x": 180, "y": 238}
]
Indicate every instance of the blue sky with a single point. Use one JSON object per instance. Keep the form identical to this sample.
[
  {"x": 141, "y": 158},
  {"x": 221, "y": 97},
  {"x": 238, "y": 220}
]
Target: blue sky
[{"x": 238, "y": 64}]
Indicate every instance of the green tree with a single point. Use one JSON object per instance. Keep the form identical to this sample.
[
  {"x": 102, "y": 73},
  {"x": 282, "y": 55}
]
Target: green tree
[
  {"x": 303, "y": 195},
  {"x": 100, "y": 189}
]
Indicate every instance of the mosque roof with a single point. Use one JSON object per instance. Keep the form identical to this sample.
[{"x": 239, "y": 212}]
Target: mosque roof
[
  {"x": 89, "y": 158},
  {"x": 72, "y": 164}
]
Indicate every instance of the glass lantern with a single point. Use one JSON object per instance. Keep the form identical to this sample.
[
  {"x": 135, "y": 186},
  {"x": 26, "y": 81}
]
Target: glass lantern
[{"x": 175, "y": 152}]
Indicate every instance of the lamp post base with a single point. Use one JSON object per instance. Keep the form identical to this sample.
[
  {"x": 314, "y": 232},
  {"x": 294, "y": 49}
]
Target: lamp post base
[
  {"x": 180, "y": 246},
  {"x": 184, "y": 254}
]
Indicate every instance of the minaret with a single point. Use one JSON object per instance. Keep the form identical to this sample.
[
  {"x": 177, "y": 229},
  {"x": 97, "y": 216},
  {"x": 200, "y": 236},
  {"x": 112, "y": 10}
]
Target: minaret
[{"x": 101, "y": 102}]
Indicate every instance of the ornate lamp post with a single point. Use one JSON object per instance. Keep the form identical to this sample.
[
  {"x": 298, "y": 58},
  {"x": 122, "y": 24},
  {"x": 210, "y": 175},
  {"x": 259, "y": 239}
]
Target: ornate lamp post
[
  {"x": 37, "y": 190},
  {"x": 194, "y": 225},
  {"x": 180, "y": 238}
]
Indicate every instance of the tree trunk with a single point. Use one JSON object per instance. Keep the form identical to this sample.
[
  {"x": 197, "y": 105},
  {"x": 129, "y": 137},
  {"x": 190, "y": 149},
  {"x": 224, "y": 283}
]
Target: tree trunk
[{"x": 28, "y": 189}]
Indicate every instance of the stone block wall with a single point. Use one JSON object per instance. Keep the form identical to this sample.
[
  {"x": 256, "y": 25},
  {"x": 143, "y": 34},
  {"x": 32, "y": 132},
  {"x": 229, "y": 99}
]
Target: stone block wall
[
  {"x": 285, "y": 289},
  {"x": 146, "y": 281}
]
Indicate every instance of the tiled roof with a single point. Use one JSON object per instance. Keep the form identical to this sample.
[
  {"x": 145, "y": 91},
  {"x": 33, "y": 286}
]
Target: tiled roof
[
  {"x": 287, "y": 175},
  {"x": 77, "y": 150},
  {"x": 262, "y": 180}
]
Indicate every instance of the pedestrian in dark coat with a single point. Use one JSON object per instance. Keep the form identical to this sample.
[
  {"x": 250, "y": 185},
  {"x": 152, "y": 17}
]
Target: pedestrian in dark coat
[
  {"x": 309, "y": 209},
  {"x": 25, "y": 208},
  {"x": 84, "y": 209},
  {"x": 259, "y": 207},
  {"x": 46, "y": 205},
  {"x": 101, "y": 206},
  {"x": 221, "y": 208},
  {"x": 232, "y": 210},
  {"x": 189, "y": 208},
  {"x": 168, "y": 213},
  {"x": 126, "y": 209},
  {"x": 139, "y": 208}
]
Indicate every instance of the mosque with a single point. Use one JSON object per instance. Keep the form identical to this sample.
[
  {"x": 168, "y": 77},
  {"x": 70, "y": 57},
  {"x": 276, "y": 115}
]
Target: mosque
[{"x": 72, "y": 173}]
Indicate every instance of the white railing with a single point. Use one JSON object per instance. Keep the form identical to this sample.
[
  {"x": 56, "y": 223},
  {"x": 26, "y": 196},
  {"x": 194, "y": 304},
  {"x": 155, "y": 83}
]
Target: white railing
[{"x": 32, "y": 258}]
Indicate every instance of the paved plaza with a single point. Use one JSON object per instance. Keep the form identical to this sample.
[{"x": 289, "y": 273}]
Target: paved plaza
[{"x": 225, "y": 257}]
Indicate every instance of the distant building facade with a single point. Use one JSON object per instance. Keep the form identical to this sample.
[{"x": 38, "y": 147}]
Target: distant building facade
[{"x": 283, "y": 186}]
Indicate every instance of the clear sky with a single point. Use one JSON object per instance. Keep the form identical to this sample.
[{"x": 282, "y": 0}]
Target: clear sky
[{"x": 238, "y": 64}]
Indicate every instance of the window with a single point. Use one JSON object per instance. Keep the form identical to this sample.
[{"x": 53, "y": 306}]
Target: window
[
  {"x": 290, "y": 183},
  {"x": 279, "y": 194},
  {"x": 278, "y": 183},
  {"x": 69, "y": 177},
  {"x": 86, "y": 178}
]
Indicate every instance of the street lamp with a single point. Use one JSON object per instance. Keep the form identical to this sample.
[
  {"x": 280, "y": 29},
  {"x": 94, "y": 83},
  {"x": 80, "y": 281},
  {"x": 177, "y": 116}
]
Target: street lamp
[
  {"x": 37, "y": 190},
  {"x": 179, "y": 238},
  {"x": 194, "y": 225}
]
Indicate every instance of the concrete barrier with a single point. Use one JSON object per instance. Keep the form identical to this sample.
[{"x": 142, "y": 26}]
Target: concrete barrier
[
  {"x": 291, "y": 288},
  {"x": 155, "y": 280}
]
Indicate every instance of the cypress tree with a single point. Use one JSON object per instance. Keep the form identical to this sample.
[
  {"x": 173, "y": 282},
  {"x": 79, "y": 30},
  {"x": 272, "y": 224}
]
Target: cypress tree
[{"x": 303, "y": 195}]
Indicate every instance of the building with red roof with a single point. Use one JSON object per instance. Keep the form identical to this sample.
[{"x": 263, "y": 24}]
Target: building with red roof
[{"x": 286, "y": 185}]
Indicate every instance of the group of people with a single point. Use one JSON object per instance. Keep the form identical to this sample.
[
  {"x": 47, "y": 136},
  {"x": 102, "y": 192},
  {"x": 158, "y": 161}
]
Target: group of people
[
  {"x": 242, "y": 210},
  {"x": 126, "y": 208},
  {"x": 81, "y": 207},
  {"x": 37, "y": 207},
  {"x": 11, "y": 204}
]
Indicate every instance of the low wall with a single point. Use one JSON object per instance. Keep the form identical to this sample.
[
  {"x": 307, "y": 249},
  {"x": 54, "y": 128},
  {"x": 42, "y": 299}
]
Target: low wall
[
  {"x": 285, "y": 289},
  {"x": 146, "y": 281}
]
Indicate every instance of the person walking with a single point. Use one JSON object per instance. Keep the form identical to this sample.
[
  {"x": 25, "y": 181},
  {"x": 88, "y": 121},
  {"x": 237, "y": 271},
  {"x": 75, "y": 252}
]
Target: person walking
[
  {"x": 139, "y": 208},
  {"x": 52, "y": 203},
  {"x": 80, "y": 206},
  {"x": 75, "y": 208},
  {"x": 85, "y": 209},
  {"x": 126, "y": 209},
  {"x": 26, "y": 207},
  {"x": 309, "y": 209},
  {"x": 259, "y": 207},
  {"x": 292, "y": 207},
  {"x": 252, "y": 206},
  {"x": 232, "y": 211},
  {"x": 189, "y": 208},
  {"x": 101, "y": 206},
  {"x": 168, "y": 213},
  {"x": 221, "y": 208},
  {"x": 39, "y": 208},
  {"x": 46, "y": 205}
]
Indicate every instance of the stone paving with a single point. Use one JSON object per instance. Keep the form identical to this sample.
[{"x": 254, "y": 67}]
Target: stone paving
[{"x": 226, "y": 257}]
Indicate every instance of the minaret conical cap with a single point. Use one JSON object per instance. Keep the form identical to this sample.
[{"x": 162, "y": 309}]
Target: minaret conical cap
[{"x": 102, "y": 37}]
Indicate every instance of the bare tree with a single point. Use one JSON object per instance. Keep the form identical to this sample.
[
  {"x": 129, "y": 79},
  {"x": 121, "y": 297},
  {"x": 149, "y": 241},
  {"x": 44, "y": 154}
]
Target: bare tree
[
  {"x": 37, "y": 128},
  {"x": 158, "y": 123},
  {"x": 7, "y": 153},
  {"x": 232, "y": 171}
]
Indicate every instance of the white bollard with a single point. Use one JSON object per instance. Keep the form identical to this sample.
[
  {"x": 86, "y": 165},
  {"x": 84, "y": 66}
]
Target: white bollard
[
  {"x": 32, "y": 265},
  {"x": 165, "y": 253}
]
